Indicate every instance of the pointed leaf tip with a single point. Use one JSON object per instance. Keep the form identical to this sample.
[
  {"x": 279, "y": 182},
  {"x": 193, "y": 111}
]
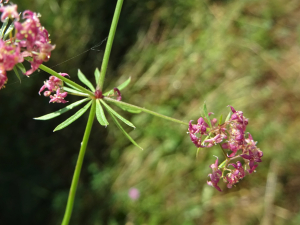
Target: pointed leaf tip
[
  {"x": 206, "y": 114},
  {"x": 123, "y": 131},
  {"x": 109, "y": 109},
  {"x": 85, "y": 81},
  {"x": 61, "y": 111},
  {"x": 71, "y": 119},
  {"x": 100, "y": 114}
]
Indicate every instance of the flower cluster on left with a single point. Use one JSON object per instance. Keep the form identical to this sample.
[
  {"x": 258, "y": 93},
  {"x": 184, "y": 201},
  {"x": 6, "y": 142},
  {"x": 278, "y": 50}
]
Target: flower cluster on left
[{"x": 30, "y": 41}]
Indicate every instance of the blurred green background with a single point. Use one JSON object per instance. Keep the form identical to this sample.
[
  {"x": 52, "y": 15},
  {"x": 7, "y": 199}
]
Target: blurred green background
[{"x": 179, "y": 54}]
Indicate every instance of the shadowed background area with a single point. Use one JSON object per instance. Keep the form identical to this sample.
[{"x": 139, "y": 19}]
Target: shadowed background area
[{"x": 178, "y": 54}]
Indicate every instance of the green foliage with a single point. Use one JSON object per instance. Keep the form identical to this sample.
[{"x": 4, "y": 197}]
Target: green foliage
[
  {"x": 73, "y": 118},
  {"x": 100, "y": 114},
  {"x": 239, "y": 53},
  {"x": 61, "y": 111},
  {"x": 85, "y": 81},
  {"x": 111, "y": 111}
]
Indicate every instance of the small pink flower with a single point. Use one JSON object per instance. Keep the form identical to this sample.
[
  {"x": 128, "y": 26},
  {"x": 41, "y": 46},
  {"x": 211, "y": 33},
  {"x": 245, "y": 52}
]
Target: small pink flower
[
  {"x": 118, "y": 93},
  {"x": 53, "y": 83},
  {"x": 215, "y": 176},
  {"x": 134, "y": 193},
  {"x": 254, "y": 157},
  {"x": 59, "y": 97},
  {"x": 9, "y": 11},
  {"x": 3, "y": 78},
  {"x": 9, "y": 55},
  {"x": 213, "y": 141}
]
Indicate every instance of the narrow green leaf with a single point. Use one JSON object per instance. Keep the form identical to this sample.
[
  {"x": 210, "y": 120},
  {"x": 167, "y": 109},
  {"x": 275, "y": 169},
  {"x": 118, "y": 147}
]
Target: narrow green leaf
[
  {"x": 116, "y": 114},
  {"x": 100, "y": 114},
  {"x": 71, "y": 119},
  {"x": 228, "y": 116},
  {"x": 124, "y": 132},
  {"x": 70, "y": 85},
  {"x": 120, "y": 87},
  {"x": 220, "y": 119},
  {"x": 9, "y": 29},
  {"x": 61, "y": 111},
  {"x": 127, "y": 108},
  {"x": 97, "y": 75},
  {"x": 28, "y": 58},
  {"x": 197, "y": 153},
  {"x": 223, "y": 164},
  {"x": 84, "y": 80},
  {"x": 17, "y": 73},
  {"x": 21, "y": 67},
  {"x": 206, "y": 115},
  {"x": 74, "y": 91},
  {"x": 4, "y": 25}
]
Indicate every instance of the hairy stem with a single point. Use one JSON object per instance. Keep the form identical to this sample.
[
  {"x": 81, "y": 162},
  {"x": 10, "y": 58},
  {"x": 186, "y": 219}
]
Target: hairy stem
[
  {"x": 77, "y": 171},
  {"x": 108, "y": 47},
  {"x": 145, "y": 110}
]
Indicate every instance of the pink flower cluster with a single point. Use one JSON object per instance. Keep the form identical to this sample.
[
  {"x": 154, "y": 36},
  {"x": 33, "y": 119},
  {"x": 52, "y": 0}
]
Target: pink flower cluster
[
  {"x": 55, "y": 84},
  {"x": 30, "y": 40},
  {"x": 232, "y": 136}
]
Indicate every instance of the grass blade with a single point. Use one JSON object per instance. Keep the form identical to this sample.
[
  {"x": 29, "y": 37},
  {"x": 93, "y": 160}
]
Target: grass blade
[
  {"x": 116, "y": 114},
  {"x": 71, "y": 119},
  {"x": 61, "y": 111},
  {"x": 84, "y": 80},
  {"x": 100, "y": 114}
]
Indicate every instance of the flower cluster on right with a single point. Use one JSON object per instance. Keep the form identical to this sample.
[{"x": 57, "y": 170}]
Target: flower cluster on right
[{"x": 231, "y": 136}]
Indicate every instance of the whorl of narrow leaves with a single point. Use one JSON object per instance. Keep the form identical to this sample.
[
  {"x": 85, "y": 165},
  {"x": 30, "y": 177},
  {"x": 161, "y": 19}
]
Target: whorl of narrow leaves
[{"x": 73, "y": 118}]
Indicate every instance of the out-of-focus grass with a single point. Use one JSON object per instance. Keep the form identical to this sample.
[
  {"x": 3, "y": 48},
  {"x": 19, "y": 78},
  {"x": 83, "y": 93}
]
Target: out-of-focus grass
[
  {"x": 243, "y": 53},
  {"x": 239, "y": 53}
]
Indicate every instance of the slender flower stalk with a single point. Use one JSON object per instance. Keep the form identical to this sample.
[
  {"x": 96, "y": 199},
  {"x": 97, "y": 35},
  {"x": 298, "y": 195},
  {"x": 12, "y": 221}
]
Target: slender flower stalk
[
  {"x": 108, "y": 47},
  {"x": 76, "y": 175},
  {"x": 145, "y": 110}
]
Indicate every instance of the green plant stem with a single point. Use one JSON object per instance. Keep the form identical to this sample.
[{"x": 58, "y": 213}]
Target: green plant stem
[
  {"x": 226, "y": 157},
  {"x": 145, "y": 110},
  {"x": 52, "y": 72},
  {"x": 76, "y": 175},
  {"x": 108, "y": 47}
]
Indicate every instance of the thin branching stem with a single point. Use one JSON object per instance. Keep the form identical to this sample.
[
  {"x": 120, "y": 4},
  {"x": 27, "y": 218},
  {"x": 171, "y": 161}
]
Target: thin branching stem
[
  {"x": 108, "y": 47},
  {"x": 145, "y": 110},
  {"x": 77, "y": 171}
]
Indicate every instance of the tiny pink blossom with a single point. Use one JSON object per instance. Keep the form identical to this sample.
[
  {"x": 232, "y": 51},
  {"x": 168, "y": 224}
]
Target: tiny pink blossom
[
  {"x": 53, "y": 83},
  {"x": 9, "y": 11},
  {"x": 134, "y": 193},
  {"x": 213, "y": 141},
  {"x": 59, "y": 97},
  {"x": 3, "y": 78},
  {"x": 215, "y": 175},
  {"x": 118, "y": 93}
]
